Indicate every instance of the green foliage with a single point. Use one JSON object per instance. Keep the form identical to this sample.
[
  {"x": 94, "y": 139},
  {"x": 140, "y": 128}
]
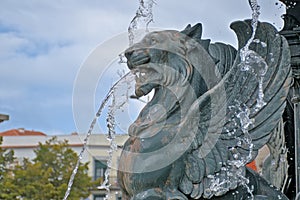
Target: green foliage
[
  {"x": 6, "y": 160},
  {"x": 47, "y": 176}
]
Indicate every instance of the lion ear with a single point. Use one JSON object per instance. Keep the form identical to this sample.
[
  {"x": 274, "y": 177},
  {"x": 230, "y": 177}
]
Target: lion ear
[
  {"x": 188, "y": 27},
  {"x": 193, "y": 31}
]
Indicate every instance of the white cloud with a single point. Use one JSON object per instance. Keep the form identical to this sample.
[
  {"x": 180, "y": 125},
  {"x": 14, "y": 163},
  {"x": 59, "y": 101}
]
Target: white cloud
[
  {"x": 215, "y": 15},
  {"x": 43, "y": 44}
]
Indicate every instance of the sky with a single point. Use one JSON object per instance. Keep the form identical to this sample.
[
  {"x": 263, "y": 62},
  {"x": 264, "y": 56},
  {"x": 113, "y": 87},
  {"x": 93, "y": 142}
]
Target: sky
[{"x": 58, "y": 57}]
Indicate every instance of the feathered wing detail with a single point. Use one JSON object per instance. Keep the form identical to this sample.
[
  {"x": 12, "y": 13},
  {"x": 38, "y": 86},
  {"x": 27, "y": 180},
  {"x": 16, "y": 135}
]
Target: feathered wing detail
[
  {"x": 232, "y": 125},
  {"x": 223, "y": 55}
]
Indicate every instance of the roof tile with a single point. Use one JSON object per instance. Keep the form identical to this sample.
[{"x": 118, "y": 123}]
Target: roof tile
[{"x": 21, "y": 132}]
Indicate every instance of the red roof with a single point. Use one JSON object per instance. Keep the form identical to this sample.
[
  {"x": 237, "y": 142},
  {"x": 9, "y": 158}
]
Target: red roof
[{"x": 21, "y": 132}]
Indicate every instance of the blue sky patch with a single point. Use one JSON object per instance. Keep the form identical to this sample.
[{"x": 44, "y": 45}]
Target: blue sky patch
[
  {"x": 7, "y": 28},
  {"x": 34, "y": 48}
]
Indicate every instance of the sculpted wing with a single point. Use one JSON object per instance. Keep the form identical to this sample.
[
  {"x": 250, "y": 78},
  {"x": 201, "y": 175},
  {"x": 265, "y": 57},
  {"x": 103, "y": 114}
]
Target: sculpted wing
[{"x": 231, "y": 125}]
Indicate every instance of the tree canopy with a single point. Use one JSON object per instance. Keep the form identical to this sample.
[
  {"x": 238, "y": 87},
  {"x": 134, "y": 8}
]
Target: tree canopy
[{"x": 46, "y": 176}]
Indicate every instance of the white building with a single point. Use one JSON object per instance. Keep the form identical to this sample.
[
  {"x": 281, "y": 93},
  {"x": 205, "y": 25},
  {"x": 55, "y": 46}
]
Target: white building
[{"x": 24, "y": 142}]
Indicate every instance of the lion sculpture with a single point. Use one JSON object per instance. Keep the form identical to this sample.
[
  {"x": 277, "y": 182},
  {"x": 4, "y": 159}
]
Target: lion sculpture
[{"x": 204, "y": 123}]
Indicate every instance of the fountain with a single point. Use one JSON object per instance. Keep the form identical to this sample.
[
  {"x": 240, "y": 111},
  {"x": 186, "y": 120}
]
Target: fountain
[{"x": 214, "y": 107}]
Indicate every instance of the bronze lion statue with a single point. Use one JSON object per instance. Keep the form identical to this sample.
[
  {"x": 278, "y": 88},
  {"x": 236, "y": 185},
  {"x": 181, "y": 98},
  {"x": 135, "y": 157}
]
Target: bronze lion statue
[{"x": 203, "y": 124}]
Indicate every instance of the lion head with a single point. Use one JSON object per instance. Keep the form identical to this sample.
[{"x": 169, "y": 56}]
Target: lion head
[
  {"x": 174, "y": 64},
  {"x": 168, "y": 58}
]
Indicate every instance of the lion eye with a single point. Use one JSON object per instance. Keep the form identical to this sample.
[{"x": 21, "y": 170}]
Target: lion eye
[{"x": 153, "y": 40}]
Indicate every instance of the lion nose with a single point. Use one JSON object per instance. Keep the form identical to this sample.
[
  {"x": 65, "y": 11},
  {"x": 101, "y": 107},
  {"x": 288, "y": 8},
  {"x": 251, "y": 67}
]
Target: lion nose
[
  {"x": 133, "y": 57},
  {"x": 136, "y": 57},
  {"x": 128, "y": 54}
]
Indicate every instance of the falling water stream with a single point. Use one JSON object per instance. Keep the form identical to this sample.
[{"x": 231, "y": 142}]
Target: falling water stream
[
  {"x": 119, "y": 98},
  {"x": 143, "y": 15},
  {"x": 110, "y": 124},
  {"x": 253, "y": 63},
  {"x": 250, "y": 61}
]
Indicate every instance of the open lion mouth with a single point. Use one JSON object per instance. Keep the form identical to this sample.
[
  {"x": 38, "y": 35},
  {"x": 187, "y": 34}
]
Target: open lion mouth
[{"x": 138, "y": 61}]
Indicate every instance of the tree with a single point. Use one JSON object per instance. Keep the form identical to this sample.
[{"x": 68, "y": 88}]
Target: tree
[
  {"x": 47, "y": 175},
  {"x": 6, "y": 160}
]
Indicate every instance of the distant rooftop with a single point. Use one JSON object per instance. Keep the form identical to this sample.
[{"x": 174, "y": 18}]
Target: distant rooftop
[
  {"x": 3, "y": 117},
  {"x": 21, "y": 132}
]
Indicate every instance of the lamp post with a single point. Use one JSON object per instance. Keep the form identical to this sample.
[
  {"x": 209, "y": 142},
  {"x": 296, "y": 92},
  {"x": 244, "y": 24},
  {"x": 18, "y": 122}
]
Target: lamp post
[{"x": 291, "y": 31}]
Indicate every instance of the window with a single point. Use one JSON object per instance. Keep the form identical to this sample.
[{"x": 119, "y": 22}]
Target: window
[{"x": 100, "y": 168}]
